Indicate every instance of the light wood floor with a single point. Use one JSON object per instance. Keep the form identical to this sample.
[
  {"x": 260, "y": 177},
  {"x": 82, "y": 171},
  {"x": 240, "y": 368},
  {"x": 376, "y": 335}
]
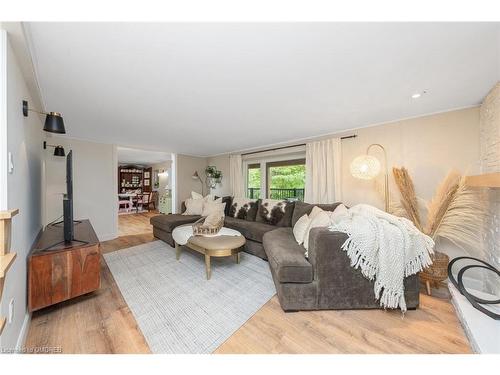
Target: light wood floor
[
  {"x": 102, "y": 323},
  {"x": 129, "y": 224}
]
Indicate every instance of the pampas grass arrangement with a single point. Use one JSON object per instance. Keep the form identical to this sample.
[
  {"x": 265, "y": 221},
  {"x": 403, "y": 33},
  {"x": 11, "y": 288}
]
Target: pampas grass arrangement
[
  {"x": 455, "y": 212},
  {"x": 438, "y": 205},
  {"x": 408, "y": 200},
  {"x": 458, "y": 215}
]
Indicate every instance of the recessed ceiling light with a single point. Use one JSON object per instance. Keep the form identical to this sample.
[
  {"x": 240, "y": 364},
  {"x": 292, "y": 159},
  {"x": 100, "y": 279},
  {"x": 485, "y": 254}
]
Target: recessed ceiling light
[{"x": 418, "y": 94}]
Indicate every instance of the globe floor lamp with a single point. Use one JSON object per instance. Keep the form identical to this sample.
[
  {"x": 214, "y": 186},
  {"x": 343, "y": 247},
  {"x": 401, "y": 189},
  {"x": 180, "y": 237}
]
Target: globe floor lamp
[{"x": 367, "y": 167}]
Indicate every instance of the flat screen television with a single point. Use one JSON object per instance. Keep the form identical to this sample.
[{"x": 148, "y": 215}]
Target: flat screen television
[{"x": 69, "y": 233}]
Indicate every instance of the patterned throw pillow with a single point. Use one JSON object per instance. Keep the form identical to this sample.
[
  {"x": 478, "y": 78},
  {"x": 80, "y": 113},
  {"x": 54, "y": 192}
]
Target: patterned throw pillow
[
  {"x": 275, "y": 212},
  {"x": 243, "y": 208}
]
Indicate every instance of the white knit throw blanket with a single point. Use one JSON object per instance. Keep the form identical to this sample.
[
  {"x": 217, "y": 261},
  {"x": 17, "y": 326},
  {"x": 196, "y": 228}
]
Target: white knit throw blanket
[{"x": 387, "y": 248}]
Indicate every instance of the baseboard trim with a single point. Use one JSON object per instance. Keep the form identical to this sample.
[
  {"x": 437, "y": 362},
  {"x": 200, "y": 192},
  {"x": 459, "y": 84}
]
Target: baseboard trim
[
  {"x": 107, "y": 237},
  {"x": 23, "y": 334}
]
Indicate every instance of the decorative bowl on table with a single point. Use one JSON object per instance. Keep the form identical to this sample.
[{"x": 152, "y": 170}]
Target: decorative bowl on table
[{"x": 201, "y": 228}]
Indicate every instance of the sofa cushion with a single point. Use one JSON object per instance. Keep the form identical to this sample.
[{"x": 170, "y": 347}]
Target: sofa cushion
[
  {"x": 169, "y": 222},
  {"x": 302, "y": 208},
  {"x": 286, "y": 257},
  {"x": 275, "y": 212},
  {"x": 251, "y": 230},
  {"x": 243, "y": 208}
]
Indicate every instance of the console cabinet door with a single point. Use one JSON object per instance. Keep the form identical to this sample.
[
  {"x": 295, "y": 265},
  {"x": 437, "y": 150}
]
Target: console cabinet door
[{"x": 56, "y": 277}]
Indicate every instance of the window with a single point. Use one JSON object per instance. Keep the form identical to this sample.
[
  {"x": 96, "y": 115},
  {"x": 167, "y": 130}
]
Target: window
[
  {"x": 254, "y": 181},
  {"x": 286, "y": 179},
  {"x": 283, "y": 179}
]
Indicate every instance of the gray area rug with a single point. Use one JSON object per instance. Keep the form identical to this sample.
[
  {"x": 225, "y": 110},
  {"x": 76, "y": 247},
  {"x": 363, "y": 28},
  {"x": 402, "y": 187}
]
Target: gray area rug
[{"x": 177, "y": 309}]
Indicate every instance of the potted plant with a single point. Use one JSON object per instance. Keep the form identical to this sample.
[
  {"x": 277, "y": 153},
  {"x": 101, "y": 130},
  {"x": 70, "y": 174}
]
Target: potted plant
[{"x": 214, "y": 176}]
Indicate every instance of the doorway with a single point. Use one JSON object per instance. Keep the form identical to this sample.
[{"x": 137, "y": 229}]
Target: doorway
[{"x": 144, "y": 188}]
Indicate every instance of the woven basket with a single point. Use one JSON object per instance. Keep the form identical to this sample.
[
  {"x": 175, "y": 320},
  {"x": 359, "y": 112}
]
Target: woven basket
[
  {"x": 438, "y": 271},
  {"x": 207, "y": 230}
]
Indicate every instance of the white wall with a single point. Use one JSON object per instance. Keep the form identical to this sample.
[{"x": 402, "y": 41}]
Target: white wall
[
  {"x": 222, "y": 164},
  {"x": 427, "y": 146},
  {"x": 185, "y": 167},
  {"x": 94, "y": 184},
  {"x": 24, "y": 191}
]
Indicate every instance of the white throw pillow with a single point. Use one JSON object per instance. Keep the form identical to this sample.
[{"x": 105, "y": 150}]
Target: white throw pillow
[
  {"x": 322, "y": 219},
  {"x": 213, "y": 207},
  {"x": 316, "y": 210},
  {"x": 207, "y": 198},
  {"x": 300, "y": 228},
  {"x": 338, "y": 213},
  {"x": 193, "y": 206},
  {"x": 195, "y": 195}
]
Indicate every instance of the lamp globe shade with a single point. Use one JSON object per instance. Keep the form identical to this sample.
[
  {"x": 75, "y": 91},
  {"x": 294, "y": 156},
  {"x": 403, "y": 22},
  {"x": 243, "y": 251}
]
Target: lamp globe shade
[
  {"x": 365, "y": 167},
  {"x": 54, "y": 123}
]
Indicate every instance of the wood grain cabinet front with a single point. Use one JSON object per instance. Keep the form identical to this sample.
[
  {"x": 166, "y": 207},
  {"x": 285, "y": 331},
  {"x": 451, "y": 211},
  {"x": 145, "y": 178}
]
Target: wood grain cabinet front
[{"x": 61, "y": 274}]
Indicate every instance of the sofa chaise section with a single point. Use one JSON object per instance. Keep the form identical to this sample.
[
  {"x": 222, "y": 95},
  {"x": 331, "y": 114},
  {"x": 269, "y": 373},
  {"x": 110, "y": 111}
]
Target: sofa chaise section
[
  {"x": 334, "y": 285},
  {"x": 163, "y": 225}
]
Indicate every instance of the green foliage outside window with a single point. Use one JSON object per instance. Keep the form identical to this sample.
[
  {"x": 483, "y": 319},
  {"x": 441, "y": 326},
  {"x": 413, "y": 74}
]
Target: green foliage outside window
[
  {"x": 254, "y": 177},
  {"x": 287, "y": 177},
  {"x": 285, "y": 181}
]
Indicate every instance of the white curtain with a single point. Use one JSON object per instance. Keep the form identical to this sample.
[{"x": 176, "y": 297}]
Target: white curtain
[
  {"x": 237, "y": 183},
  {"x": 323, "y": 171}
]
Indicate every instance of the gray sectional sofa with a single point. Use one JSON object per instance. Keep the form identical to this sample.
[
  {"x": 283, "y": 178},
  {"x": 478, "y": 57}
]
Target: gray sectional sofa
[{"x": 324, "y": 280}]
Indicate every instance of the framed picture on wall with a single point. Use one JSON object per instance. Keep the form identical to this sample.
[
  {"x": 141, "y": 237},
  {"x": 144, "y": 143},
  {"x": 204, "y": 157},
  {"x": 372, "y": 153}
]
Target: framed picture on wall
[{"x": 146, "y": 174}]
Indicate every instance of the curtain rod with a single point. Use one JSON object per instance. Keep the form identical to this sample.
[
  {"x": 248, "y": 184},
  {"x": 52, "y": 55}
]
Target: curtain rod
[{"x": 282, "y": 148}]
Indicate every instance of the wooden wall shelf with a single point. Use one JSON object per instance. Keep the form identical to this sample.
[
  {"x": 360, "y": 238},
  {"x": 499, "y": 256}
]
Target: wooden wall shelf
[
  {"x": 8, "y": 214},
  {"x": 6, "y": 257},
  {"x": 5, "y": 263},
  {"x": 487, "y": 180}
]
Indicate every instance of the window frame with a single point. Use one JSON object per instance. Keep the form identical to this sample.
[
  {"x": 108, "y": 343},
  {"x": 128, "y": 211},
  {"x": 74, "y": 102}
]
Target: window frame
[
  {"x": 284, "y": 163},
  {"x": 253, "y": 166},
  {"x": 263, "y": 161}
]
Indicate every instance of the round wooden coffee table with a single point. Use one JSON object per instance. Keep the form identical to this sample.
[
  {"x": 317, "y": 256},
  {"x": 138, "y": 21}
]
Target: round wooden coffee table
[{"x": 211, "y": 246}]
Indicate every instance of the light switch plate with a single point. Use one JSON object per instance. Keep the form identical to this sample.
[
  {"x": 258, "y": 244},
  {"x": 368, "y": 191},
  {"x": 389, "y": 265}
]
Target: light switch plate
[
  {"x": 11, "y": 310},
  {"x": 10, "y": 162}
]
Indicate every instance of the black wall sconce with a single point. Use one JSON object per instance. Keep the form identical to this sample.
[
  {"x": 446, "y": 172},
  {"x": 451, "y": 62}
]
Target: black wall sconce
[
  {"x": 58, "y": 150},
  {"x": 53, "y": 121}
]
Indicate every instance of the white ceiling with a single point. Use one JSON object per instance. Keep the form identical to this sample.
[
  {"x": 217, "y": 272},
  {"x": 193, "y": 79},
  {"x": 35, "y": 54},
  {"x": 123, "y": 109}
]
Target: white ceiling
[
  {"x": 142, "y": 157},
  {"x": 210, "y": 88}
]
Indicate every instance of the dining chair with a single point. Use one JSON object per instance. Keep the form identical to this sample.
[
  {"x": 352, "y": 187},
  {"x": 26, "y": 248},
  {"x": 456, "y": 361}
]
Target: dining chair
[{"x": 144, "y": 200}]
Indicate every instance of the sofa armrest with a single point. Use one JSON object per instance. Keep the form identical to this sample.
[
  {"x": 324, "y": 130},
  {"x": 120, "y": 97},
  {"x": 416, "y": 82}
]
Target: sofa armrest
[
  {"x": 325, "y": 250},
  {"x": 339, "y": 284}
]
